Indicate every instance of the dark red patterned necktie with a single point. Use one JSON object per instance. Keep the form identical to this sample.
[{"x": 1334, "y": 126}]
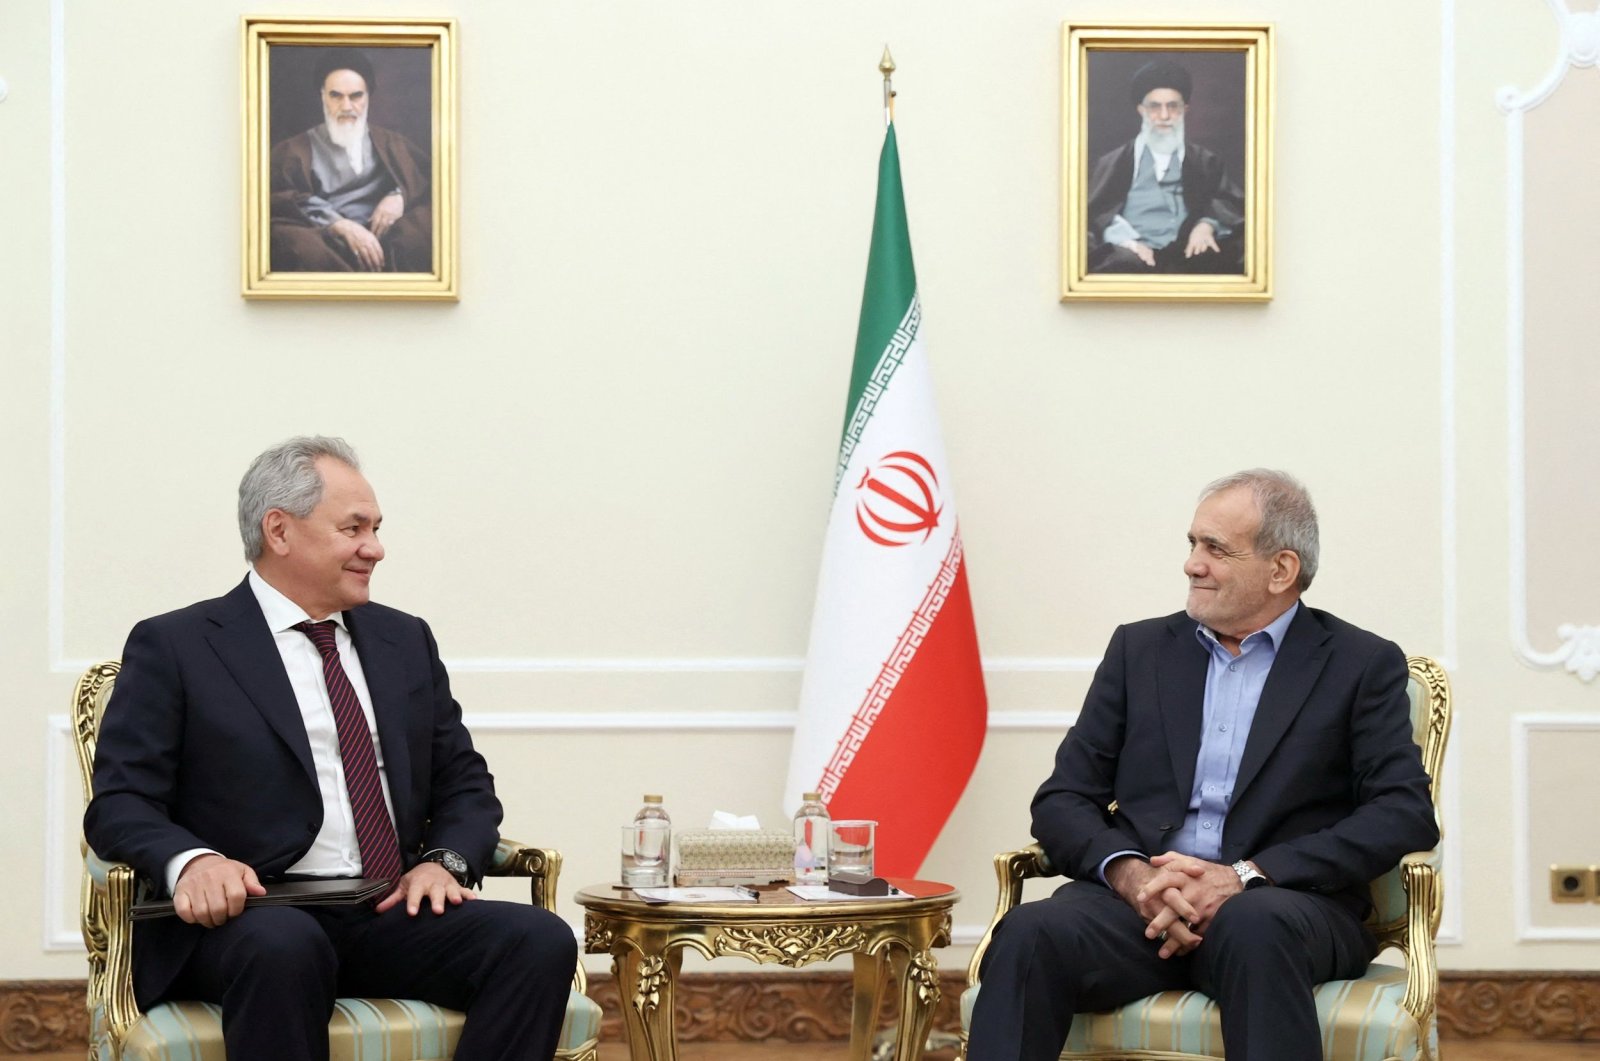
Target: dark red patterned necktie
[{"x": 380, "y": 850}]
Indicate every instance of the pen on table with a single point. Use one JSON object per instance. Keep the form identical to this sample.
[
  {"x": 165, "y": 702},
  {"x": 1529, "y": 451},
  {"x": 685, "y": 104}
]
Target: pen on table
[{"x": 748, "y": 893}]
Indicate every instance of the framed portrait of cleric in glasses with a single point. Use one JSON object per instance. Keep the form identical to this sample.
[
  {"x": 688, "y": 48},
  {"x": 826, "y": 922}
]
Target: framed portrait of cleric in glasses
[
  {"x": 1167, "y": 162},
  {"x": 349, "y": 158}
]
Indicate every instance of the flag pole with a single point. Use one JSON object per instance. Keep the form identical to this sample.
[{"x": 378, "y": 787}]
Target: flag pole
[{"x": 886, "y": 67}]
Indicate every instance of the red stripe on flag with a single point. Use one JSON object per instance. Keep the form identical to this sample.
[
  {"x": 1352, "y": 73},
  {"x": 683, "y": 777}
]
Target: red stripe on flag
[{"x": 914, "y": 763}]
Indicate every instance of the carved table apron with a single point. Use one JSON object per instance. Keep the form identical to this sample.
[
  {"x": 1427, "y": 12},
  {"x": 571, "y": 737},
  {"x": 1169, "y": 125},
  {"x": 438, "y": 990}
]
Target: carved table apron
[{"x": 889, "y": 939}]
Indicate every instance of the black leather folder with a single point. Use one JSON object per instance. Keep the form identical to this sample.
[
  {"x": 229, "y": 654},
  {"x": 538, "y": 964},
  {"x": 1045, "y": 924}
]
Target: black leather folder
[{"x": 337, "y": 892}]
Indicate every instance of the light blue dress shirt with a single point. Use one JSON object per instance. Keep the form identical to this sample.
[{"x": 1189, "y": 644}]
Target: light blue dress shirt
[{"x": 1233, "y": 690}]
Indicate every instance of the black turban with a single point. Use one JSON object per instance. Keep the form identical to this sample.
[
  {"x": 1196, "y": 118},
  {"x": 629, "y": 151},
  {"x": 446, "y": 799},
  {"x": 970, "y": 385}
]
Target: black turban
[
  {"x": 345, "y": 59},
  {"x": 1160, "y": 73}
]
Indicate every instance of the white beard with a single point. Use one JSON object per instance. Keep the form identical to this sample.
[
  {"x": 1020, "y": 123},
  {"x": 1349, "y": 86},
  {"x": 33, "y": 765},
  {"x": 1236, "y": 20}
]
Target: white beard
[
  {"x": 352, "y": 137},
  {"x": 1164, "y": 141}
]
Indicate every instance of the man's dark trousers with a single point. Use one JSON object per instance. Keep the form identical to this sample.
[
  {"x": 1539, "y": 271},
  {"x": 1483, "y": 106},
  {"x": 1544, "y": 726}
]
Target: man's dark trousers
[
  {"x": 277, "y": 970},
  {"x": 1083, "y": 950}
]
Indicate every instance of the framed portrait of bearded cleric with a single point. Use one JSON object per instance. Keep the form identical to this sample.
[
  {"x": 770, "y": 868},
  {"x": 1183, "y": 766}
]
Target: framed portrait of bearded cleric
[
  {"x": 350, "y": 158},
  {"x": 1166, "y": 162}
]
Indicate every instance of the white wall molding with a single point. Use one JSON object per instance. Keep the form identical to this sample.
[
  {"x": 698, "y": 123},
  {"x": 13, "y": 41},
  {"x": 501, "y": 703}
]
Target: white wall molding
[
  {"x": 530, "y": 722},
  {"x": 56, "y": 614},
  {"x": 1450, "y": 931},
  {"x": 1522, "y": 890},
  {"x": 60, "y": 926},
  {"x": 1579, "y": 46},
  {"x": 678, "y": 664},
  {"x": 1447, "y": 332}
]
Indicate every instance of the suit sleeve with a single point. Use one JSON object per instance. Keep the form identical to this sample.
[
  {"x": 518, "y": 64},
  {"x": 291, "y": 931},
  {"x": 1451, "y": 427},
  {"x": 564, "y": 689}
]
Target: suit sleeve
[
  {"x": 1393, "y": 813},
  {"x": 137, "y": 750},
  {"x": 463, "y": 813},
  {"x": 1071, "y": 819}
]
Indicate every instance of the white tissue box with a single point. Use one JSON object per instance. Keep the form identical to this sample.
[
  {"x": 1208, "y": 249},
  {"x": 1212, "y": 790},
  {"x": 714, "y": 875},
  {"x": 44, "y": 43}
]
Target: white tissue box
[{"x": 711, "y": 857}]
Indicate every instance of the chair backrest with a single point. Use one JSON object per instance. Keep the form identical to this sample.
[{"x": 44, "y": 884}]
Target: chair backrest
[
  {"x": 88, "y": 705},
  {"x": 1429, "y": 689}
]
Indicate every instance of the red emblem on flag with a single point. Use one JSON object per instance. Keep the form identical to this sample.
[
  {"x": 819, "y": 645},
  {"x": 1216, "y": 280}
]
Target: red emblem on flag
[{"x": 897, "y": 500}]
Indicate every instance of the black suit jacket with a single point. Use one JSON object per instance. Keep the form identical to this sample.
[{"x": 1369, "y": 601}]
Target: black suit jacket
[
  {"x": 1330, "y": 794},
  {"x": 202, "y": 745}
]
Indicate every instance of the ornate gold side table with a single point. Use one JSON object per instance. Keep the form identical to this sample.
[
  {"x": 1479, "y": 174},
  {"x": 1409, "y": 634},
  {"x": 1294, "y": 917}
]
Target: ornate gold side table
[{"x": 891, "y": 939}]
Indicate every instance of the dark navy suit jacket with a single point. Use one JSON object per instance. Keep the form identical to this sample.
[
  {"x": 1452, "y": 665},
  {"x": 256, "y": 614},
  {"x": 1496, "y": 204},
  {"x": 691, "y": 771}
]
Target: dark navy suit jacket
[
  {"x": 202, "y": 745},
  {"x": 1330, "y": 794}
]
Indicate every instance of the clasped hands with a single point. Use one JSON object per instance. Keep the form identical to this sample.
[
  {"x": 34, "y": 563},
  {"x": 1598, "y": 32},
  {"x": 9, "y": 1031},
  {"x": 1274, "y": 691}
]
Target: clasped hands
[
  {"x": 1177, "y": 895},
  {"x": 211, "y": 890}
]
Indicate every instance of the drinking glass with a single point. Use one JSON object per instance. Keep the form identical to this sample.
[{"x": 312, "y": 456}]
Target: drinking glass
[
  {"x": 644, "y": 853},
  {"x": 851, "y": 844}
]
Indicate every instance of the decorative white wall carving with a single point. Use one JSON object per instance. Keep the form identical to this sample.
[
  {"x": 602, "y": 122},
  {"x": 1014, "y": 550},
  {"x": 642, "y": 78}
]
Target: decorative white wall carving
[
  {"x": 1579, "y": 46},
  {"x": 1523, "y": 874}
]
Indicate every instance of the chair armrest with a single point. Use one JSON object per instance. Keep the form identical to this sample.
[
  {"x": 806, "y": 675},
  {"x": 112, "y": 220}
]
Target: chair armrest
[
  {"x": 1011, "y": 868},
  {"x": 109, "y": 890},
  {"x": 543, "y": 866},
  {"x": 1424, "y": 905}
]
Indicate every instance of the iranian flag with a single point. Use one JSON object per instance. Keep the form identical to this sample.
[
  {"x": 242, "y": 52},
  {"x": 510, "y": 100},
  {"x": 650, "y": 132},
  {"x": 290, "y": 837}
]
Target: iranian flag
[{"x": 892, "y": 706}]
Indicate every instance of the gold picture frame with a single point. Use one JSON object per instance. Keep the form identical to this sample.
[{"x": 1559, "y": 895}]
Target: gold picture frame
[
  {"x": 354, "y": 120},
  {"x": 1122, "y": 85}
]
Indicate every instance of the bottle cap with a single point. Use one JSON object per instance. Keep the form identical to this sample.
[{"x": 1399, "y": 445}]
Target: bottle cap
[
  {"x": 652, "y": 799},
  {"x": 811, "y": 797}
]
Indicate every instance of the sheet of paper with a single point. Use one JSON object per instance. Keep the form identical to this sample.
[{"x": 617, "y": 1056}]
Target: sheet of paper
[
  {"x": 695, "y": 895},
  {"x": 821, "y": 893}
]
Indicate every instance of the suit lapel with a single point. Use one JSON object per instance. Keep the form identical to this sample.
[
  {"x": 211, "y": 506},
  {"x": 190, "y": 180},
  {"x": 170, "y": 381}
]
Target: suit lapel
[
  {"x": 243, "y": 642},
  {"x": 384, "y": 666},
  {"x": 1295, "y": 670},
  {"x": 1181, "y": 688}
]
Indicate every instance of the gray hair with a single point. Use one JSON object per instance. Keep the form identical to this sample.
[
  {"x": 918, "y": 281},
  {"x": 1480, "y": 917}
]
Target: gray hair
[
  {"x": 1288, "y": 519},
  {"x": 286, "y": 477}
]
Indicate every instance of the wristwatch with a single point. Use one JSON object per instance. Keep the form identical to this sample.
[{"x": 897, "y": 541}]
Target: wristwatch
[
  {"x": 453, "y": 864},
  {"x": 1249, "y": 876}
]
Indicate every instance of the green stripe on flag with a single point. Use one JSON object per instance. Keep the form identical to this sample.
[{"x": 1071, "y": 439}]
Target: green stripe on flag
[{"x": 891, "y": 281}]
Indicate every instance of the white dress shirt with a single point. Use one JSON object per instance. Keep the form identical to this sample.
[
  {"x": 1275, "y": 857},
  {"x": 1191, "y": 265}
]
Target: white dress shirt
[{"x": 334, "y": 852}]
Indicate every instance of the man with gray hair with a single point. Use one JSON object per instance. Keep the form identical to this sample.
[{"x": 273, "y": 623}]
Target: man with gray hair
[
  {"x": 1238, "y": 774},
  {"x": 292, "y": 730}
]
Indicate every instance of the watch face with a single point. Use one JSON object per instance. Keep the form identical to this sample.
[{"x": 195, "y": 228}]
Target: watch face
[{"x": 453, "y": 863}]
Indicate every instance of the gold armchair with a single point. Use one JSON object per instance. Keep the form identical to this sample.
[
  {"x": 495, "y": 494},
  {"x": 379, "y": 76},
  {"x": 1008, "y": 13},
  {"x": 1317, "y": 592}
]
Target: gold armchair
[
  {"x": 389, "y": 1029},
  {"x": 1386, "y": 1015}
]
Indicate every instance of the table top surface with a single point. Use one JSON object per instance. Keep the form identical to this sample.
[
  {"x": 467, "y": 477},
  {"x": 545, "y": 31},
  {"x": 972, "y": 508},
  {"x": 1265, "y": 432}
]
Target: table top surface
[{"x": 772, "y": 901}]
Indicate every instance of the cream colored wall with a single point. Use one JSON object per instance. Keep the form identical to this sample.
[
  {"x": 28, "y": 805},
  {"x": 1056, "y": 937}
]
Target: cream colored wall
[{"x": 606, "y": 469}]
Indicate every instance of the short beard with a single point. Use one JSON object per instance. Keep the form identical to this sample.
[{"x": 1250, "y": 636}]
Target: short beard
[
  {"x": 352, "y": 137},
  {"x": 1164, "y": 141}
]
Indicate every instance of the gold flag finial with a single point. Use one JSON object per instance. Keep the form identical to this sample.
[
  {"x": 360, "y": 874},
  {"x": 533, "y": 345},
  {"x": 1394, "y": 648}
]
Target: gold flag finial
[{"x": 886, "y": 67}]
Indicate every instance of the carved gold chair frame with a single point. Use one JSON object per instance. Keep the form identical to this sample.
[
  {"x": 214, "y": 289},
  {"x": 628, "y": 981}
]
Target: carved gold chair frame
[
  {"x": 110, "y": 889},
  {"x": 1408, "y": 902}
]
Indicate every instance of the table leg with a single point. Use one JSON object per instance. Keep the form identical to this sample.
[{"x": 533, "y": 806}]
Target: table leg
[
  {"x": 916, "y": 975},
  {"x": 646, "y": 984},
  {"x": 871, "y": 977}
]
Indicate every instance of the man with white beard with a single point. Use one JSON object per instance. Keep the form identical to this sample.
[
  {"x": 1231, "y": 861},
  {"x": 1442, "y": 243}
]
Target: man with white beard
[
  {"x": 1160, "y": 203},
  {"x": 348, "y": 196}
]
